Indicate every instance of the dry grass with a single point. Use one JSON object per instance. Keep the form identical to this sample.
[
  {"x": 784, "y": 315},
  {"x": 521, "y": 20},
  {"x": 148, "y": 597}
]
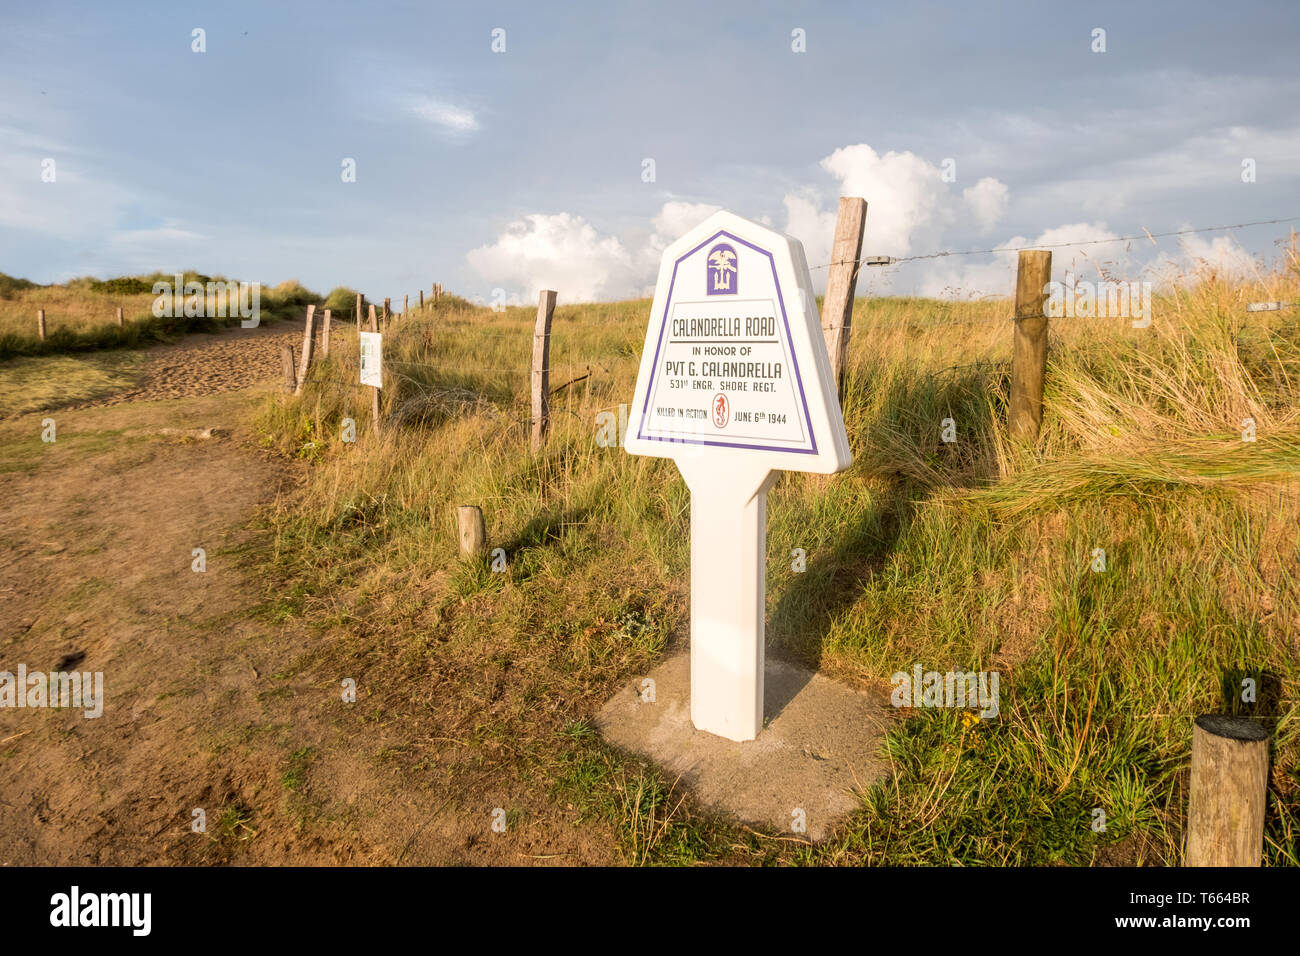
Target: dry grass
[{"x": 973, "y": 555}]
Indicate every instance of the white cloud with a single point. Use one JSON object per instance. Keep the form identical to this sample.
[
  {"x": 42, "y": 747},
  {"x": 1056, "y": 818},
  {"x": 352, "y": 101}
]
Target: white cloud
[
  {"x": 566, "y": 253},
  {"x": 987, "y": 202},
  {"x": 562, "y": 252},
  {"x": 675, "y": 219},
  {"x": 906, "y": 196},
  {"x": 446, "y": 116},
  {"x": 909, "y": 206},
  {"x": 1200, "y": 256},
  {"x": 811, "y": 225}
]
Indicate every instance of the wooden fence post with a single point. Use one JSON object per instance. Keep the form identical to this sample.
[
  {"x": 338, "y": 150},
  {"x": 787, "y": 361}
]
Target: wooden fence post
[
  {"x": 841, "y": 283},
  {"x": 308, "y": 341},
  {"x": 542, "y": 367},
  {"x": 1225, "y": 811},
  {"x": 374, "y": 390},
  {"x": 1029, "y": 351},
  {"x": 120, "y": 321},
  {"x": 421, "y": 300},
  {"x": 358, "y": 316},
  {"x": 325, "y": 336},
  {"x": 383, "y": 322},
  {"x": 473, "y": 535},
  {"x": 286, "y": 365},
  {"x": 404, "y": 305},
  {"x": 40, "y": 323}
]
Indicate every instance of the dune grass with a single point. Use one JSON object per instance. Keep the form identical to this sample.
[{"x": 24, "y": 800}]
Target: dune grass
[
  {"x": 81, "y": 315},
  {"x": 976, "y": 554}
]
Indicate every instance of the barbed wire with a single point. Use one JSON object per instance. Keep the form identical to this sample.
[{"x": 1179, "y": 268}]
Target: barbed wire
[{"x": 1054, "y": 245}]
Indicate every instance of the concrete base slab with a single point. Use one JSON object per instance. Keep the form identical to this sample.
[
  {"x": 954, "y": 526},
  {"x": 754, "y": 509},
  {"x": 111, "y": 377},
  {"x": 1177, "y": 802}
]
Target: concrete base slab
[{"x": 816, "y": 752}]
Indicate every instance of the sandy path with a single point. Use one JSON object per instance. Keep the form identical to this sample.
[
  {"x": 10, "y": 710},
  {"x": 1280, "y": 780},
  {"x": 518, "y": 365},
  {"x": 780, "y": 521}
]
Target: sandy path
[{"x": 203, "y": 364}]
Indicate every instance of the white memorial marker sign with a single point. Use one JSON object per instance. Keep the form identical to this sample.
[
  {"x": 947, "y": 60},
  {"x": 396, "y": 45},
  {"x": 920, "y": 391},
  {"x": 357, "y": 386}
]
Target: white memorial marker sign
[
  {"x": 372, "y": 359},
  {"x": 734, "y": 385}
]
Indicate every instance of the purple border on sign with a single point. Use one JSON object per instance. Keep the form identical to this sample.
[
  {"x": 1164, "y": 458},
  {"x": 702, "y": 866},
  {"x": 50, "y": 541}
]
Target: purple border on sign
[{"x": 654, "y": 368}]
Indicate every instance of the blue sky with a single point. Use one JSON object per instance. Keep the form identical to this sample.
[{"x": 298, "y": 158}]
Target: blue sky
[{"x": 523, "y": 169}]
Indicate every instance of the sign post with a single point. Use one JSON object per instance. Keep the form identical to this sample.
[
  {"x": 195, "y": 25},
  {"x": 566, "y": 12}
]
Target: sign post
[{"x": 735, "y": 385}]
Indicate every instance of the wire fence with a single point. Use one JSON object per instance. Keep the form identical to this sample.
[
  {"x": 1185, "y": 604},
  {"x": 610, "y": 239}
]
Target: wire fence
[{"x": 1152, "y": 236}]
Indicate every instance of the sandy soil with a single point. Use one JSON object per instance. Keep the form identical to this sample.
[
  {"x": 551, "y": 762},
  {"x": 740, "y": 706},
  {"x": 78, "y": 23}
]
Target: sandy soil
[
  {"x": 210, "y": 364},
  {"x": 96, "y": 575}
]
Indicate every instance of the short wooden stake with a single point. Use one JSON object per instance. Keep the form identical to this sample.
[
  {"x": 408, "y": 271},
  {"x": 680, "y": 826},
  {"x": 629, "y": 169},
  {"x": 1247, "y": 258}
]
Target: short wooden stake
[
  {"x": 286, "y": 364},
  {"x": 1029, "y": 350},
  {"x": 473, "y": 535},
  {"x": 40, "y": 323},
  {"x": 120, "y": 321},
  {"x": 358, "y": 318},
  {"x": 1225, "y": 812},
  {"x": 841, "y": 283},
  {"x": 404, "y": 305},
  {"x": 325, "y": 336},
  {"x": 421, "y": 300},
  {"x": 383, "y": 322},
  {"x": 308, "y": 341},
  {"x": 542, "y": 367}
]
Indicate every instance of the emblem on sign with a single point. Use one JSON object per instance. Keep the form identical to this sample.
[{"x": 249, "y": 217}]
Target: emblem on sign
[
  {"x": 723, "y": 273},
  {"x": 721, "y": 410}
]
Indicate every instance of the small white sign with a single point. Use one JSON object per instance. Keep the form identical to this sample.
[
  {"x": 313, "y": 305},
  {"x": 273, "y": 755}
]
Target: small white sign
[
  {"x": 735, "y": 386},
  {"x": 372, "y": 359}
]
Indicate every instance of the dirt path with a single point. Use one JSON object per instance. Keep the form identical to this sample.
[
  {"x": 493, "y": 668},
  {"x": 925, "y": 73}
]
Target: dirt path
[
  {"x": 203, "y": 708},
  {"x": 209, "y": 364}
]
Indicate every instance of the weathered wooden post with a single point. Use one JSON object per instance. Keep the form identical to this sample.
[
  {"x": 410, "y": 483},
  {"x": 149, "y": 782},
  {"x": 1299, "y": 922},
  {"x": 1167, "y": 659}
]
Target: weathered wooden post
[
  {"x": 358, "y": 318},
  {"x": 286, "y": 365},
  {"x": 473, "y": 535},
  {"x": 40, "y": 323},
  {"x": 1029, "y": 350},
  {"x": 542, "y": 367},
  {"x": 421, "y": 300},
  {"x": 841, "y": 283},
  {"x": 383, "y": 322},
  {"x": 1225, "y": 812},
  {"x": 308, "y": 341},
  {"x": 325, "y": 336},
  {"x": 120, "y": 321},
  {"x": 404, "y": 305}
]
